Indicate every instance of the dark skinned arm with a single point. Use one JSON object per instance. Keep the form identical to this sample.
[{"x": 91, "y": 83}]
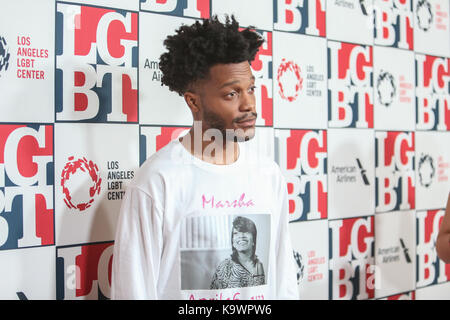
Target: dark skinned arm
[{"x": 443, "y": 239}]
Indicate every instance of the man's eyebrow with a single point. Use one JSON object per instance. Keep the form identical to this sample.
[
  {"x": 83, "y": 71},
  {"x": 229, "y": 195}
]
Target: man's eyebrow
[{"x": 234, "y": 82}]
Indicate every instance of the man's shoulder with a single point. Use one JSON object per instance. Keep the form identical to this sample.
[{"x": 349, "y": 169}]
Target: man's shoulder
[
  {"x": 159, "y": 165},
  {"x": 259, "y": 158},
  {"x": 162, "y": 158},
  {"x": 264, "y": 164},
  {"x": 267, "y": 171}
]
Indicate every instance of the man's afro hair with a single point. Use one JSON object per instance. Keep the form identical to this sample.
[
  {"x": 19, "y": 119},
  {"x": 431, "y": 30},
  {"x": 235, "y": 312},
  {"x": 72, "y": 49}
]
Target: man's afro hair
[{"x": 194, "y": 49}]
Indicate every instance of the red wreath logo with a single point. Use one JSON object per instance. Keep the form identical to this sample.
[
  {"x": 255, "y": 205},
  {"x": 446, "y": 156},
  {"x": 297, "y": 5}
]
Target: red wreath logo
[
  {"x": 72, "y": 167},
  {"x": 288, "y": 70}
]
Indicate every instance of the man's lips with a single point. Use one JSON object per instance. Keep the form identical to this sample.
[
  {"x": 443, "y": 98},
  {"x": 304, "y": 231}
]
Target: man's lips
[{"x": 247, "y": 122}]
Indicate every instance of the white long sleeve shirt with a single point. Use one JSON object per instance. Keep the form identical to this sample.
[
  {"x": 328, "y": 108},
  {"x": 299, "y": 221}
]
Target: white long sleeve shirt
[{"x": 174, "y": 233}]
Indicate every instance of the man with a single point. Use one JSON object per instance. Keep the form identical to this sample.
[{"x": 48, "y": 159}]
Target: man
[
  {"x": 174, "y": 227},
  {"x": 443, "y": 239}
]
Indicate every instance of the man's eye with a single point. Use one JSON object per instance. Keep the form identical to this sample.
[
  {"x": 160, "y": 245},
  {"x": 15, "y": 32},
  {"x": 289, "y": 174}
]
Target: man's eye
[
  {"x": 252, "y": 89},
  {"x": 232, "y": 94}
]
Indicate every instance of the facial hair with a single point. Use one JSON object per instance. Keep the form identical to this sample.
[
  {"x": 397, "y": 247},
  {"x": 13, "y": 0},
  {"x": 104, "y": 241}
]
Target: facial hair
[{"x": 212, "y": 120}]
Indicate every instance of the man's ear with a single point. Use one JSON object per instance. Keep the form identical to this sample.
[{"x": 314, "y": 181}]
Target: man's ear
[{"x": 193, "y": 101}]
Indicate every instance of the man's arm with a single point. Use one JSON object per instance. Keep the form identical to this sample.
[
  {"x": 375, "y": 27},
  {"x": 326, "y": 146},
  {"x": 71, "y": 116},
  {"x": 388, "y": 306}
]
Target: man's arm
[
  {"x": 443, "y": 239},
  {"x": 137, "y": 248},
  {"x": 286, "y": 272}
]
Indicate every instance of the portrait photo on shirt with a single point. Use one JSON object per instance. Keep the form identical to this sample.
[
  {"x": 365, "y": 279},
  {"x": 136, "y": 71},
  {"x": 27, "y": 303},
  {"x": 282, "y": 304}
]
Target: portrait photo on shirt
[{"x": 224, "y": 251}]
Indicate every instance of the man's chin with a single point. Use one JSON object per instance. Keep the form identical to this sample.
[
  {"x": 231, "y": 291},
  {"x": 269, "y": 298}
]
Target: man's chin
[
  {"x": 244, "y": 138},
  {"x": 240, "y": 134}
]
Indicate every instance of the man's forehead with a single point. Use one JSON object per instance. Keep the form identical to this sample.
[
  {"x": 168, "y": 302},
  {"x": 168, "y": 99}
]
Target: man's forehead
[{"x": 222, "y": 74}]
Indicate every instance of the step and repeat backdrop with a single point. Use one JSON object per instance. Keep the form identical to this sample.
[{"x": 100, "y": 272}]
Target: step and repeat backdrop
[{"x": 353, "y": 98}]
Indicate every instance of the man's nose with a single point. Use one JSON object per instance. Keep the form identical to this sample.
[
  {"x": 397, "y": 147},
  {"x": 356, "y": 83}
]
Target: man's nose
[{"x": 248, "y": 103}]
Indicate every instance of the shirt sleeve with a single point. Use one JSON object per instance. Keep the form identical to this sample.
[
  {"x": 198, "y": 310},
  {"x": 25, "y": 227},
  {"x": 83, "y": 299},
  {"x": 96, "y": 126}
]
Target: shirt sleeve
[
  {"x": 286, "y": 270},
  {"x": 137, "y": 248}
]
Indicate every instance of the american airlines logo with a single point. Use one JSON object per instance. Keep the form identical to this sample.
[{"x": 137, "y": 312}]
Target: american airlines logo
[{"x": 351, "y": 173}]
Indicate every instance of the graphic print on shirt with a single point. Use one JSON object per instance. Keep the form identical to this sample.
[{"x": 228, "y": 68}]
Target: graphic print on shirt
[{"x": 224, "y": 251}]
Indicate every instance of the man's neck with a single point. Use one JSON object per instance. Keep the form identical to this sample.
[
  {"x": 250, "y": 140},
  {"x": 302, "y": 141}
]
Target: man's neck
[{"x": 219, "y": 153}]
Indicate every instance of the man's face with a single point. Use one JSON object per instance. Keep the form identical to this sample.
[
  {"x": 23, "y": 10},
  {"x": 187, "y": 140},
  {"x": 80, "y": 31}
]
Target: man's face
[{"x": 227, "y": 99}]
